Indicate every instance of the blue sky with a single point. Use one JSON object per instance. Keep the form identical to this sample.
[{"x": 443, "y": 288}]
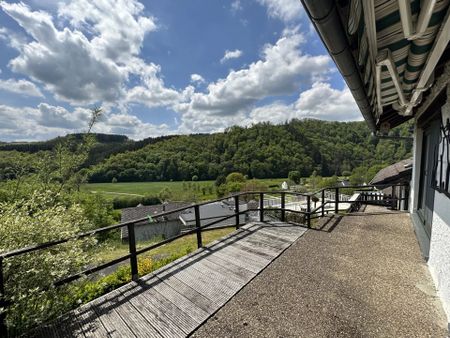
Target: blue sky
[{"x": 161, "y": 67}]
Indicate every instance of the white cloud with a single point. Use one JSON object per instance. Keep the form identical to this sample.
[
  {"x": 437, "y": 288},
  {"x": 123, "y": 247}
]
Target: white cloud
[
  {"x": 197, "y": 78},
  {"x": 321, "y": 101},
  {"x": 47, "y": 121},
  {"x": 59, "y": 117},
  {"x": 20, "y": 124},
  {"x": 281, "y": 70},
  {"x": 231, "y": 54},
  {"x": 118, "y": 25},
  {"x": 131, "y": 126},
  {"x": 78, "y": 69},
  {"x": 153, "y": 92},
  {"x": 286, "y": 10},
  {"x": 236, "y": 6},
  {"x": 22, "y": 87},
  {"x": 324, "y": 102}
]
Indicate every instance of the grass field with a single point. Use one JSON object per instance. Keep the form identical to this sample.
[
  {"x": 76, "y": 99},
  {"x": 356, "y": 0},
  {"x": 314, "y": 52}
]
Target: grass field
[
  {"x": 178, "y": 247},
  {"x": 180, "y": 190}
]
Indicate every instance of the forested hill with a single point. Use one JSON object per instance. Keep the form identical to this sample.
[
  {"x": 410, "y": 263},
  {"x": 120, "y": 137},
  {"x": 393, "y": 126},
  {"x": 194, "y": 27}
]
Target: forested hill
[
  {"x": 260, "y": 151},
  {"x": 106, "y": 145}
]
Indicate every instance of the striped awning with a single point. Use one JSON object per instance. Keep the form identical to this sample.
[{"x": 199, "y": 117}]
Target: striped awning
[{"x": 408, "y": 55}]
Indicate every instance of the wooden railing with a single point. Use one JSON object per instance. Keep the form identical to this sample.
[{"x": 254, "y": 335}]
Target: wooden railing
[{"x": 366, "y": 196}]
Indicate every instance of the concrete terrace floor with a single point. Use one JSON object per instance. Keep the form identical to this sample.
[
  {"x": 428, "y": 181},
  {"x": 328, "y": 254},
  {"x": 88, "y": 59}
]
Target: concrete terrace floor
[{"x": 361, "y": 276}]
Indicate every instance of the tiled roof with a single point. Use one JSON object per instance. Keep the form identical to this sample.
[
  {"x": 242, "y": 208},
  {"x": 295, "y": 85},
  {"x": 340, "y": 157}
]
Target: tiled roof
[{"x": 397, "y": 172}]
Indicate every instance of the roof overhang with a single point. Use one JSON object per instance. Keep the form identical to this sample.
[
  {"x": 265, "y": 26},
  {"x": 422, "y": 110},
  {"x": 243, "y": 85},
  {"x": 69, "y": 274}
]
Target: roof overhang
[{"x": 387, "y": 51}]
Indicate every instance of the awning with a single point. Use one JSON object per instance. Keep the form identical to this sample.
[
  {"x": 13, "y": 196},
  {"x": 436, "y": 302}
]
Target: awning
[{"x": 394, "y": 46}]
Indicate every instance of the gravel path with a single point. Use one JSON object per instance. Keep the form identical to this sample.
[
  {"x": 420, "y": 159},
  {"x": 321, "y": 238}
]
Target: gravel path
[{"x": 363, "y": 278}]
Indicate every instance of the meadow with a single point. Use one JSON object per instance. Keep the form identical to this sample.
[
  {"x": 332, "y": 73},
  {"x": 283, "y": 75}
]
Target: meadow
[{"x": 185, "y": 190}]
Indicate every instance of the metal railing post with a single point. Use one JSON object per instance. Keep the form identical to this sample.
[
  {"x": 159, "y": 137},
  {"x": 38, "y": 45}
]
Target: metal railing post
[
  {"x": 323, "y": 202},
  {"x": 198, "y": 226},
  {"x": 336, "y": 199},
  {"x": 236, "y": 210},
  {"x": 133, "y": 257},
  {"x": 308, "y": 210},
  {"x": 393, "y": 198},
  {"x": 283, "y": 206},
  {"x": 261, "y": 207},
  {"x": 3, "y": 303}
]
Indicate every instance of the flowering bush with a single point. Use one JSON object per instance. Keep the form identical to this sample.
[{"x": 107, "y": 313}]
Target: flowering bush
[{"x": 29, "y": 277}]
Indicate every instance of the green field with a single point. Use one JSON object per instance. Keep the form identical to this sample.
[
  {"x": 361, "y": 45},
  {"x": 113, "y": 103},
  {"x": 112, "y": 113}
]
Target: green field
[{"x": 180, "y": 190}]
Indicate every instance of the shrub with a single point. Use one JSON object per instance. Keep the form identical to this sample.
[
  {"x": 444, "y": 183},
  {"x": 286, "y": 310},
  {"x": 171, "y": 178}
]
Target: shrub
[
  {"x": 221, "y": 179},
  {"x": 114, "y": 180},
  {"x": 235, "y": 178},
  {"x": 132, "y": 201},
  {"x": 29, "y": 277},
  {"x": 295, "y": 176},
  {"x": 195, "y": 178}
]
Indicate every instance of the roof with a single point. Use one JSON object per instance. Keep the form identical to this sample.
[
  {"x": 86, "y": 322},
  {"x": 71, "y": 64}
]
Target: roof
[
  {"x": 383, "y": 53},
  {"x": 212, "y": 211},
  {"x": 395, "y": 173},
  {"x": 143, "y": 211}
]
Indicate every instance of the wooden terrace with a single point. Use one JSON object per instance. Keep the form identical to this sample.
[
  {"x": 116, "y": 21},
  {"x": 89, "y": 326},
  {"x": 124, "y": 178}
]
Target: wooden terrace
[{"x": 175, "y": 300}]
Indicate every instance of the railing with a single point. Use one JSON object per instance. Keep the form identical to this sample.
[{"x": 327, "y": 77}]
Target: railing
[{"x": 366, "y": 195}]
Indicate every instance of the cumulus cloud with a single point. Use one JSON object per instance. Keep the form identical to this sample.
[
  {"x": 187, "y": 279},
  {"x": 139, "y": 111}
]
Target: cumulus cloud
[
  {"x": 46, "y": 121},
  {"x": 130, "y": 125},
  {"x": 286, "y": 10},
  {"x": 22, "y": 87},
  {"x": 324, "y": 102},
  {"x": 281, "y": 70},
  {"x": 152, "y": 91},
  {"x": 76, "y": 68},
  {"x": 59, "y": 117},
  {"x": 118, "y": 27},
  {"x": 20, "y": 124},
  {"x": 231, "y": 54},
  {"x": 321, "y": 101},
  {"x": 197, "y": 78}
]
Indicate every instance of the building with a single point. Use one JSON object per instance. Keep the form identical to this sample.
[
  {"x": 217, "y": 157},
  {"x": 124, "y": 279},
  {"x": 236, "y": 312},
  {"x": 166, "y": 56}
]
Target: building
[
  {"x": 213, "y": 212},
  {"x": 399, "y": 173},
  {"x": 153, "y": 227},
  {"x": 395, "y": 59}
]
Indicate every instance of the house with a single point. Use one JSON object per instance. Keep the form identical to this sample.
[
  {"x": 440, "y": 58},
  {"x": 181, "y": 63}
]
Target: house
[
  {"x": 399, "y": 174},
  {"x": 166, "y": 226},
  {"x": 213, "y": 212},
  {"x": 395, "y": 59}
]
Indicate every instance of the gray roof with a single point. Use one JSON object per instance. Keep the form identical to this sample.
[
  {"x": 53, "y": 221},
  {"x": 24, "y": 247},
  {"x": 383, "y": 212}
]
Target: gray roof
[
  {"x": 395, "y": 173},
  {"x": 211, "y": 212},
  {"x": 142, "y": 211}
]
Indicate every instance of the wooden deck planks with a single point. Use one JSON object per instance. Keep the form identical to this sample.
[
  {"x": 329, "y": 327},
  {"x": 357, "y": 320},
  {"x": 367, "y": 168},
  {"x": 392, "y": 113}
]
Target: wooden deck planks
[{"x": 175, "y": 300}]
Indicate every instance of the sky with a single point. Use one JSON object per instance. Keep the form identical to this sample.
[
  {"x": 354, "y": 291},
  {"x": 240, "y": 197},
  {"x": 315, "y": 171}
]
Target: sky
[{"x": 162, "y": 67}]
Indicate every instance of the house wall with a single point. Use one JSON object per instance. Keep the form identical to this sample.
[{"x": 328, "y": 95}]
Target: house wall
[
  {"x": 144, "y": 232},
  {"x": 436, "y": 249},
  {"x": 439, "y": 260}
]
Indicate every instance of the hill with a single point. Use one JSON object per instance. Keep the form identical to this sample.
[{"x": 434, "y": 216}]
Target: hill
[
  {"x": 261, "y": 151},
  {"x": 106, "y": 145}
]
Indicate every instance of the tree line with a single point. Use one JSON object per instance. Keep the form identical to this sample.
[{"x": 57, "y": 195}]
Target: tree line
[{"x": 260, "y": 151}]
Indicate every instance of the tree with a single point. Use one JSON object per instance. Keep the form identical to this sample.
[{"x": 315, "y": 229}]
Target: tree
[
  {"x": 221, "y": 179},
  {"x": 295, "y": 176},
  {"x": 235, "y": 178},
  {"x": 165, "y": 194}
]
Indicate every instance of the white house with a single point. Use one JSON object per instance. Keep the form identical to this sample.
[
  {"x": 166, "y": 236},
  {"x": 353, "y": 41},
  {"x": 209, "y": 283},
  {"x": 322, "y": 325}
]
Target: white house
[{"x": 395, "y": 59}]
